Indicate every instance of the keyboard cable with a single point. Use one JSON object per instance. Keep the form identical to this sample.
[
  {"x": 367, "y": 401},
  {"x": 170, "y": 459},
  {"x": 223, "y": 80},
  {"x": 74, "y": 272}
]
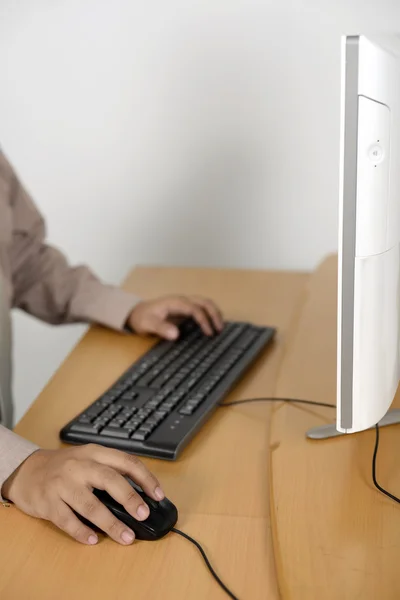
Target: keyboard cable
[
  {"x": 312, "y": 402},
  {"x": 288, "y": 400},
  {"x": 291, "y": 401}
]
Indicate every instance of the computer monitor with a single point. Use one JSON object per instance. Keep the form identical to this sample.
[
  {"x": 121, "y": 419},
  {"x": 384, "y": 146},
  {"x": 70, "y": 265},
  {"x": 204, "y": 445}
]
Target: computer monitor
[{"x": 368, "y": 335}]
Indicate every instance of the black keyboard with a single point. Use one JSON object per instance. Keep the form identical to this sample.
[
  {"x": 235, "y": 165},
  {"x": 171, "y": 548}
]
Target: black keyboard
[{"x": 161, "y": 401}]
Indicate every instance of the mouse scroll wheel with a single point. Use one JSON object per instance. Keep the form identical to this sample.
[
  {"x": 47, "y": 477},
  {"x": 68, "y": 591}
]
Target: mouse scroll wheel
[
  {"x": 149, "y": 501},
  {"x": 152, "y": 503}
]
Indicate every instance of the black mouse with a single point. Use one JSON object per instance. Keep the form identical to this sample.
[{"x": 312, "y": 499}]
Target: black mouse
[{"x": 162, "y": 518}]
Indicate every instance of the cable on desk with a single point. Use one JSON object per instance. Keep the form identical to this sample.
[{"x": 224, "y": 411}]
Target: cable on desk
[
  {"x": 203, "y": 554},
  {"x": 294, "y": 400},
  {"x": 377, "y": 485},
  {"x": 193, "y": 541}
]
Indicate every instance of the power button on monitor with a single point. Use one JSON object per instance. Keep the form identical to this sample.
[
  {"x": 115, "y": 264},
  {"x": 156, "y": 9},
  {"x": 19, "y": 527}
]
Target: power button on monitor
[{"x": 376, "y": 153}]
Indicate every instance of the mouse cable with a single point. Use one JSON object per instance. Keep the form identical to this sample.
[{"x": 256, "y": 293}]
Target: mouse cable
[
  {"x": 213, "y": 573},
  {"x": 294, "y": 401},
  {"x": 186, "y": 536},
  {"x": 376, "y": 448}
]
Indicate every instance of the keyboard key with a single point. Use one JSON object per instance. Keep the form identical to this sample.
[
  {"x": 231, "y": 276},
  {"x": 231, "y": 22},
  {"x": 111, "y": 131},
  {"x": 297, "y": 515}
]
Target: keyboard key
[
  {"x": 121, "y": 388},
  {"x": 100, "y": 422},
  {"x": 144, "y": 365},
  {"x": 127, "y": 403},
  {"x": 104, "y": 401},
  {"x": 162, "y": 394},
  {"x": 176, "y": 396},
  {"x": 147, "y": 427},
  {"x": 118, "y": 422},
  {"x": 152, "y": 421},
  {"x": 159, "y": 399},
  {"x": 176, "y": 381},
  {"x": 175, "y": 399},
  {"x": 85, "y": 428},
  {"x": 195, "y": 405},
  {"x": 151, "y": 405},
  {"x": 186, "y": 410},
  {"x": 191, "y": 402},
  {"x": 85, "y": 419},
  {"x": 163, "y": 378},
  {"x": 166, "y": 406},
  {"x": 127, "y": 412},
  {"x": 113, "y": 409},
  {"x": 156, "y": 419},
  {"x": 140, "y": 435},
  {"x": 143, "y": 413},
  {"x": 150, "y": 375},
  {"x": 130, "y": 395},
  {"x": 160, "y": 414},
  {"x": 141, "y": 419},
  {"x": 132, "y": 378},
  {"x": 132, "y": 424},
  {"x": 116, "y": 432},
  {"x": 93, "y": 411},
  {"x": 192, "y": 382}
]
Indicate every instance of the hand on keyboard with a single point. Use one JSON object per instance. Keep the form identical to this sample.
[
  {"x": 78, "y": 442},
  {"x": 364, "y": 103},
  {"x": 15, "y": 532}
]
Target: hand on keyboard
[
  {"x": 51, "y": 484},
  {"x": 156, "y": 316}
]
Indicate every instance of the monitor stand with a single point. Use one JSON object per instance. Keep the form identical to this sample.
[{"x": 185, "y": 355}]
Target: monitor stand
[{"x": 324, "y": 432}]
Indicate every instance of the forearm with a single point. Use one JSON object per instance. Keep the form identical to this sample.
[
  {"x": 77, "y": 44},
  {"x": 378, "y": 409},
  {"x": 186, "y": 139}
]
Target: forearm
[
  {"x": 43, "y": 282},
  {"x": 48, "y": 288}
]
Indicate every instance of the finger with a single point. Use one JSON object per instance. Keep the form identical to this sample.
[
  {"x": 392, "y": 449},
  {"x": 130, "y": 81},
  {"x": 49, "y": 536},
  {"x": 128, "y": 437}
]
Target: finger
[
  {"x": 109, "y": 479},
  {"x": 183, "y": 306},
  {"x": 85, "y": 503},
  {"x": 163, "y": 329},
  {"x": 212, "y": 310},
  {"x": 63, "y": 517},
  {"x": 130, "y": 465}
]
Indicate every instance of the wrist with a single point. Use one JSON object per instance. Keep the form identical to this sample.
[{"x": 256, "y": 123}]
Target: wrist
[
  {"x": 131, "y": 324},
  {"x": 8, "y": 487}
]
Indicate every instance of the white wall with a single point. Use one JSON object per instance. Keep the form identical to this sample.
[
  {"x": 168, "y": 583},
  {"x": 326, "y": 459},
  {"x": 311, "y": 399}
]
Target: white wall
[{"x": 174, "y": 132}]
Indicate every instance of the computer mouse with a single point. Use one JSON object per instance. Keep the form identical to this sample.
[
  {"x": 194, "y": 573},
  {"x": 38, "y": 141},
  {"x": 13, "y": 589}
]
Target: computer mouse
[{"x": 162, "y": 518}]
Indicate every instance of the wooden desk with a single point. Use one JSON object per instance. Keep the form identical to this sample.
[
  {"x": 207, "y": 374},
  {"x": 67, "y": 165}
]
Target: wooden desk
[
  {"x": 335, "y": 536},
  {"x": 327, "y": 534},
  {"x": 220, "y": 484}
]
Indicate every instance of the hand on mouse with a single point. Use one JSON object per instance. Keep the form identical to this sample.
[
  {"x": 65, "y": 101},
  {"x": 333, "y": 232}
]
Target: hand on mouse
[
  {"x": 156, "y": 316},
  {"x": 52, "y": 482}
]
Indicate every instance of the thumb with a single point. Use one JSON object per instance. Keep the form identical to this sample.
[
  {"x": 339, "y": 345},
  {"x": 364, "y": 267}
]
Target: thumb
[{"x": 164, "y": 329}]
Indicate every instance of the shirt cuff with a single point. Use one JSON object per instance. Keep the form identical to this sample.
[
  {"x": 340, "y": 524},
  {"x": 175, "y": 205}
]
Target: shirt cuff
[
  {"x": 109, "y": 306},
  {"x": 14, "y": 450}
]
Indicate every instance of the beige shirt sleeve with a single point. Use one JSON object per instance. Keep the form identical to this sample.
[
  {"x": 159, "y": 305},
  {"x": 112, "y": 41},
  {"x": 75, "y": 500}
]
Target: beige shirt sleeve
[
  {"x": 44, "y": 284},
  {"x": 13, "y": 451}
]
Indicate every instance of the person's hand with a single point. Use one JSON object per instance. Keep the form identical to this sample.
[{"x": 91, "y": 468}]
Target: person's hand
[
  {"x": 157, "y": 316},
  {"x": 50, "y": 483}
]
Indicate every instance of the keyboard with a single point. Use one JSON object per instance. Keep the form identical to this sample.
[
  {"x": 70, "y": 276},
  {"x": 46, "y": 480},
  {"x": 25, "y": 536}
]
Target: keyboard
[{"x": 157, "y": 406}]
